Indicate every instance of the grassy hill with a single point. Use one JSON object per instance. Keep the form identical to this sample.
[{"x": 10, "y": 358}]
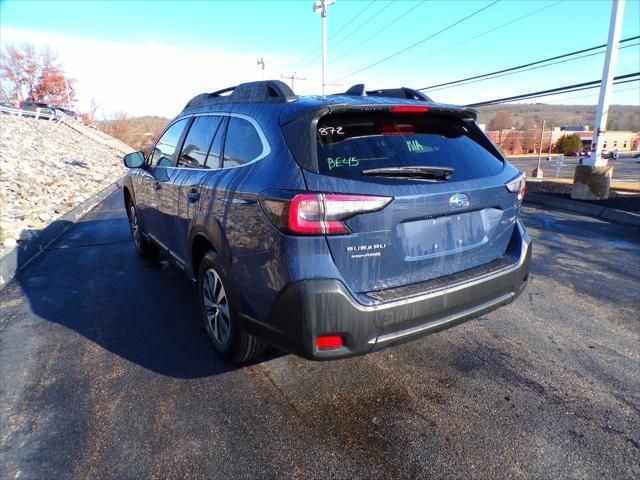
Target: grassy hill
[{"x": 621, "y": 117}]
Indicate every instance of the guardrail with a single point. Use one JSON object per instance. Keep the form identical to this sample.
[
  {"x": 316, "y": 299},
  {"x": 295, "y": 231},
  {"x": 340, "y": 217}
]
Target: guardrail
[
  {"x": 57, "y": 116},
  {"x": 38, "y": 113}
]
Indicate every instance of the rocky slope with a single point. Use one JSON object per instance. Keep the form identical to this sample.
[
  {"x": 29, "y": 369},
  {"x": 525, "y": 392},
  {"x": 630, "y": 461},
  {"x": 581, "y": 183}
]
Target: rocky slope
[{"x": 46, "y": 169}]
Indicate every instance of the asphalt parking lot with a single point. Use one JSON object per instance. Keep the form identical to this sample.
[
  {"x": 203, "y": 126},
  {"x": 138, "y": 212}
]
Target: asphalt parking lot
[
  {"x": 105, "y": 373},
  {"x": 625, "y": 168}
]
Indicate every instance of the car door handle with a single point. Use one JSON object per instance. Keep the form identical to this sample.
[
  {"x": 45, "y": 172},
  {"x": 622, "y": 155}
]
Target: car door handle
[
  {"x": 193, "y": 195},
  {"x": 157, "y": 186}
]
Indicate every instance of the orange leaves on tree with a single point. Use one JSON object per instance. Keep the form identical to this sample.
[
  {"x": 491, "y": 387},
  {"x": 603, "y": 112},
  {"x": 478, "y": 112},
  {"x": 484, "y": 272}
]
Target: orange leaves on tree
[{"x": 29, "y": 75}]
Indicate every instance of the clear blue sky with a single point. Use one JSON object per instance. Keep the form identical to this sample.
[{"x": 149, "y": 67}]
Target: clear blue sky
[{"x": 284, "y": 32}]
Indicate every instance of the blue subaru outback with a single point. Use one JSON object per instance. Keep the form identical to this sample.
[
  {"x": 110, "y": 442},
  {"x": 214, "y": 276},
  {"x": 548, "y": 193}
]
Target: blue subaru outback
[{"x": 330, "y": 226}]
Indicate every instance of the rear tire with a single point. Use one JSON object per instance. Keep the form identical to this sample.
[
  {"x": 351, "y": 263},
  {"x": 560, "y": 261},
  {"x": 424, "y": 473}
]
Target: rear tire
[
  {"x": 219, "y": 314},
  {"x": 144, "y": 248}
]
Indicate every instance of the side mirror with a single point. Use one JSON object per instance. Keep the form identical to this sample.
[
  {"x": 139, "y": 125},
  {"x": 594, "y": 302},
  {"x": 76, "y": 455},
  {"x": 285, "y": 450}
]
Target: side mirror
[{"x": 133, "y": 160}]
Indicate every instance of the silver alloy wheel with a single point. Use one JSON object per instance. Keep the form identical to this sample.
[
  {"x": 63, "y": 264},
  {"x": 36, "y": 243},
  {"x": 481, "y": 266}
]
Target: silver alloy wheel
[
  {"x": 216, "y": 307},
  {"x": 135, "y": 227}
]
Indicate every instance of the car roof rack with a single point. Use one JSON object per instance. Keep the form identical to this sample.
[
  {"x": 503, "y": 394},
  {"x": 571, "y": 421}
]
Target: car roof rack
[
  {"x": 265, "y": 91},
  {"x": 359, "y": 90}
]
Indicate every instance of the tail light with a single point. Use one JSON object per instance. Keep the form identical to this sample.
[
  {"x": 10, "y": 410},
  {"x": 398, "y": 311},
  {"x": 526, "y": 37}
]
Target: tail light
[
  {"x": 318, "y": 213},
  {"x": 518, "y": 185}
]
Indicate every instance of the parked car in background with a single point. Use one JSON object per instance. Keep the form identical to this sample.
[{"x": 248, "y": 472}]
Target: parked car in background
[
  {"x": 8, "y": 109},
  {"x": 330, "y": 226},
  {"x": 572, "y": 154},
  {"x": 68, "y": 112},
  {"x": 40, "y": 107}
]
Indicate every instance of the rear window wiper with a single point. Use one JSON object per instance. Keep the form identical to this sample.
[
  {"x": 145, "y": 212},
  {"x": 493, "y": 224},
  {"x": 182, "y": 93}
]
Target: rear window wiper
[{"x": 434, "y": 174}]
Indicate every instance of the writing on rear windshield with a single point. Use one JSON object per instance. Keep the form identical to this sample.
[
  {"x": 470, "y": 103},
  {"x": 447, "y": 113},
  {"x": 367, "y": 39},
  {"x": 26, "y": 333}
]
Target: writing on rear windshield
[
  {"x": 330, "y": 131},
  {"x": 338, "y": 162},
  {"x": 415, "y": 146}
]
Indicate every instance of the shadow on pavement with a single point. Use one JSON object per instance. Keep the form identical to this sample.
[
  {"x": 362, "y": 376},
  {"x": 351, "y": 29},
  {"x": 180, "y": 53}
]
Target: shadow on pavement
[{"x": 91, "y": 281}]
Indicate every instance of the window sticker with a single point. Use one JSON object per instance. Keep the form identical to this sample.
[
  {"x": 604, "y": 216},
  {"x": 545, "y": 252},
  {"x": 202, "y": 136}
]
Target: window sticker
[{"x": 339, "y": 162}]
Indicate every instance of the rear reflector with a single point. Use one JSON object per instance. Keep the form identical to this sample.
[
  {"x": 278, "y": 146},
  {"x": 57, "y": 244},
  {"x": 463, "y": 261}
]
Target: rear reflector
[
  {"x": 409, "y": 109},
  {"x": 329, "y": 341}
]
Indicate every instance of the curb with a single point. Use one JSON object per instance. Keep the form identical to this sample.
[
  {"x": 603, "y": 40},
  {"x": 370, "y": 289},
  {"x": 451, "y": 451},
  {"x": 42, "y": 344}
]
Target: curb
[
  {"x": 23, "y": 254},
  {"x": 609, "y": 214}
]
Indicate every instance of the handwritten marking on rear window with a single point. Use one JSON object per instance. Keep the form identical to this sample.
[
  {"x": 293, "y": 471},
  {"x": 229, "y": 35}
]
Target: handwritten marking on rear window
[
  {"x": 339, "y": 162},
  {"x": 415, "y": 146},
  {"x": 330, "y": 131}
]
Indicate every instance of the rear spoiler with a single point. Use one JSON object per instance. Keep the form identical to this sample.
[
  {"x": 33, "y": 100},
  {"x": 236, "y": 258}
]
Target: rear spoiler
[{"x": 407, "y": 93}]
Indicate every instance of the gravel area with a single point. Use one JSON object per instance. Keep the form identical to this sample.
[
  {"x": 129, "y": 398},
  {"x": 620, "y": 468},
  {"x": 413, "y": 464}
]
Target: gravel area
[{"x": 47, "y": 169}]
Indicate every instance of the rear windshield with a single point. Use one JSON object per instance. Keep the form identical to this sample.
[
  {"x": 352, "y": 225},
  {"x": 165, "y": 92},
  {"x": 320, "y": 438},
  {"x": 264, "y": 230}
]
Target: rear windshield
[{"x": 350, "y": 143}]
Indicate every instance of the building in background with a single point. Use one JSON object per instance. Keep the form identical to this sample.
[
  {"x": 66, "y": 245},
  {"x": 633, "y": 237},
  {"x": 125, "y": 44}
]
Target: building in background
[{"x": 528, "y": 141}]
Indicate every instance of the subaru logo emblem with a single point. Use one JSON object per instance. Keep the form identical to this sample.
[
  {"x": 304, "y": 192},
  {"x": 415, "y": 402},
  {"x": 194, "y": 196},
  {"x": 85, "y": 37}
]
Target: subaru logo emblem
[{"x": 459, "y": 200}]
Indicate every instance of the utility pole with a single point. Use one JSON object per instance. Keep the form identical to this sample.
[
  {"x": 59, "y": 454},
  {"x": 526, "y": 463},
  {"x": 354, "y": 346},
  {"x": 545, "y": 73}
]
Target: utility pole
[
  {"x": 608, "y": 72},
  {"x": 66, "y": 85},
  {"x": 261, "y": 63},
  {"x": 537, "y": 173},
  {"x": 293, "y": 78},
  {"x": 320, "y": 7}
]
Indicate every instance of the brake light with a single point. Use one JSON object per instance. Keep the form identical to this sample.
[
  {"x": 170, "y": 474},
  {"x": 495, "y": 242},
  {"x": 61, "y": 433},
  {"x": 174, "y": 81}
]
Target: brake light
[
  {"x": 518, "y": 185},
  {"x": 318, "y": 213},
  {"x": 409, "y": 109},
  {"x": 329, "y": 341},
  {"x": 397, "y": 129}
]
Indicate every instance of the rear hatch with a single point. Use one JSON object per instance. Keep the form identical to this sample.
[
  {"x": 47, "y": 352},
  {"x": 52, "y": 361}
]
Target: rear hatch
[{"x": 450, "y": 210}]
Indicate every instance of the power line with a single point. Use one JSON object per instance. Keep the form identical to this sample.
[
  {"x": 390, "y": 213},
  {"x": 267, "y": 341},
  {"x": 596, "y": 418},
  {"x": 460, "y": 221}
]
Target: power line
[
  {"x": 366, "y": 22},
  {"x": 356, "y": 29},
  {"x": 592, "y": 94},
  {"x": 352, "y": 19},
  {"x": 379, "y": 31},
  {"x": 526, "y": 69},
  {"x": 471, "y": 38},
  {"x": 568, "y": 88},
  {"x": 537, "y": 62},
  {"x": 315, "y": 50},
  {"x": 419, "y": 42},
  {"x": 551, "y": 93}
]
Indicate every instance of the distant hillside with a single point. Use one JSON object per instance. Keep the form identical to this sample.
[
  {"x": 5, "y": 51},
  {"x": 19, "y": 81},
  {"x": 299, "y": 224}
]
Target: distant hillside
[
  {"x": 141, "y": 132},
  {"x": 137, "y": 132},
  {"x": 621, "y": 117}
]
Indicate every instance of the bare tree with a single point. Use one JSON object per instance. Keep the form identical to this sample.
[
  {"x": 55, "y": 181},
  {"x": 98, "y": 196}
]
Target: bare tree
[
  {"x": 93, "y": 109},
  {"x": 500, "y": 123}
]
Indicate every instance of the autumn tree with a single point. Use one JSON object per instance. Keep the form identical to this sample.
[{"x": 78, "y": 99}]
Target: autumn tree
[
  {"x": 27, "y": 74},
  {"x": 501, "y": 122}
]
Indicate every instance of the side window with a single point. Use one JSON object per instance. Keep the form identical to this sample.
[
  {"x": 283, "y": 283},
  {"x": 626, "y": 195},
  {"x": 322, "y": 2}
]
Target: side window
[
  {"x": 242, "y": 143},
  {"x": 196, "y": 144},
  {"x": 162, "y": 153},
  {"x": 213, "y": 159}
]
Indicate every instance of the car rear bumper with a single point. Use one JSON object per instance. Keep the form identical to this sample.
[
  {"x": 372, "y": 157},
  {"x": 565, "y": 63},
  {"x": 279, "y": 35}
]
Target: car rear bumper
[{"x": 311, "y": 308}]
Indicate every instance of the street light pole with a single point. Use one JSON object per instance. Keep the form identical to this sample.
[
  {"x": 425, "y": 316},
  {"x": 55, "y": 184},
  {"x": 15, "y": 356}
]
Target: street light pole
[
  {"x": 610, "y": 61},
  {"x": 537, "y": 173},
  {"x": 321, "y": 7}
]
